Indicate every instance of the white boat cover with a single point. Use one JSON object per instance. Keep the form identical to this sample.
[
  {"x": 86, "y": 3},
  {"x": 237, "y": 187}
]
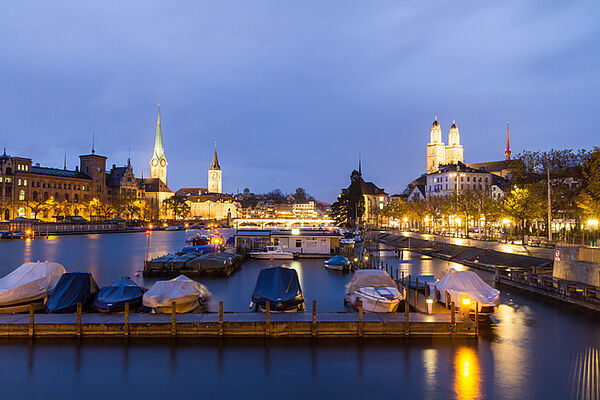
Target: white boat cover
[
  {"x": 29, "y": 282},
  {"x": 369, "y": 278},
  {"x": 181, "y": 290},
  {"x": 468, "y": 284}
]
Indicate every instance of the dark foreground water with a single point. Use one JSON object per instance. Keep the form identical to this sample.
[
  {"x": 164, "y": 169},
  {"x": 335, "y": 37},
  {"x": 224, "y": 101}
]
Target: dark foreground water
[{"x": 533, "y": 349}]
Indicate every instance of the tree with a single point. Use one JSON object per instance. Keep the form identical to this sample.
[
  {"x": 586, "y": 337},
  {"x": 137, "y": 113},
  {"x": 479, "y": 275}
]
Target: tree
[
  {"x": 523, "y": 206},
  {"x": 300, "y": 196},
  {"x": 177, "y": 206},
  {"x": 40, "y": 206},
  {"x": 350, "y": 205},
  {"x": 275, "y": 195},
  {"x": 589, "y": 200}
]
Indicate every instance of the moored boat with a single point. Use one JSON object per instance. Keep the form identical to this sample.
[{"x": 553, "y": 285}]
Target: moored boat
[
  {"x": 271, "y": 253},
  {"x": 375, "y": 289},
  {"x": 281, "y": 288},
  {"x": 338, "y": 263},
  {"x": 466, "y": 289},
  {"x": 72, "y": 288},
  {"x": 112, "y": 298},
  {"x": 186, "y": 293},
  {"x": 31, "y": 283}
]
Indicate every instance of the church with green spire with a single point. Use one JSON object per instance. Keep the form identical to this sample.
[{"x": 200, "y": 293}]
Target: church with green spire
[{"x": 158, "y": 162}]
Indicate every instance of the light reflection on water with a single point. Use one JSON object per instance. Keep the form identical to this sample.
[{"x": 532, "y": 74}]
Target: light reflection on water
[{"x": 532, "y": 350}]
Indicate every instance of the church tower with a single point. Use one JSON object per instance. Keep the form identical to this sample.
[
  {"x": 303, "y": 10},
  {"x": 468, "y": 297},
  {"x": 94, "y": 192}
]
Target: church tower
[
  {"x": 214, "y": 175},
  {"x": 158, "y": 163},
  {"x": 507, "y": 151},
  {"x": 436, "y": 150},
  {"x": 454, "y": 150}
]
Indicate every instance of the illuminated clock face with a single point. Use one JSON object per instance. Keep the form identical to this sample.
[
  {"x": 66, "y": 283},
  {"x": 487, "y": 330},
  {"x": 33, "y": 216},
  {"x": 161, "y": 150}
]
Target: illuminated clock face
[
  {"x": 163, "y": 162},
  {"x": 214, "y": 175},
  {"x": 154, "y": 162}
]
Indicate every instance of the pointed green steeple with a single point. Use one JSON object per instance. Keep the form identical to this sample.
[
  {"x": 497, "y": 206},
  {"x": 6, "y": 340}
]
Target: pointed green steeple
[
  {"x": 159, "y": 152},
  {"x": 215, "y": 164}
]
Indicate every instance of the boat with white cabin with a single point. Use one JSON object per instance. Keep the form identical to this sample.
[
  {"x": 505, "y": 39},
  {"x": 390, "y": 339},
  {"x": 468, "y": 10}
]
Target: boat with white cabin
[
  {"x": 375, "y": 289},
  {"x": 271, "y": 253}
]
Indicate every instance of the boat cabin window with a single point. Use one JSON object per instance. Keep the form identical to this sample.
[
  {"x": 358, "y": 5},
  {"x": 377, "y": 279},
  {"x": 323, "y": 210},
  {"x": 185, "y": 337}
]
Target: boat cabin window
[
  {"x": 276, "y": 241},
  {"x": 298, "y": 243}
]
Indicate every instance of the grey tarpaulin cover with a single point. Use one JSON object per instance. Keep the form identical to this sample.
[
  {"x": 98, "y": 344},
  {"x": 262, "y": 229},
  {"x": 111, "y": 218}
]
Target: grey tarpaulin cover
[
  {"x": 468, "y": 284},
  {"x": 31, "y": 281},
  {"x": 369, "y": 277},
  {"x": 180, "y": 290}
]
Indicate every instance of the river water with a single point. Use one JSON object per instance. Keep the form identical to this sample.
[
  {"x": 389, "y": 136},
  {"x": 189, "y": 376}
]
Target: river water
[{"x": 532, "y": 349}]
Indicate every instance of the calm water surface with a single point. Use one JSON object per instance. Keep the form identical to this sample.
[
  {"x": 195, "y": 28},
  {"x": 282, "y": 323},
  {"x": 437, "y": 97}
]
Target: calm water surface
[{"x": 532, "y": 350}]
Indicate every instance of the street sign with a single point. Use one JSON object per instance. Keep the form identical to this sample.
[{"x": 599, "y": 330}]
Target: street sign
[{"x": 557, "y": 255}]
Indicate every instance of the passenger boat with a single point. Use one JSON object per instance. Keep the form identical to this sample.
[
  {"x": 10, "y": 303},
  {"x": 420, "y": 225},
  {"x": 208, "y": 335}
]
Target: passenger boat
[
  {"x": 375, "y": 289},
  {"x": 112, "y": 298},
  {"x": 72, "y": 288},
  {"x": 186, "y": 293},
  {"x": 338, "y": 263},
  {"x": 466, "y": 288},
  {"x": 281, "y": 288},
  {"x": 272, "y": 252},
  {"x": 31, "y": 283}
]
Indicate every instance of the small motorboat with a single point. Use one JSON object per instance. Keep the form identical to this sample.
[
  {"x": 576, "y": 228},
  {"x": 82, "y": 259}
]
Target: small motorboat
[
  {"x": 31, "y": 283},
  {"x": 347, "y": 241},
  {"x": 375, "y": 289},
  {"x": 338, "y": 263},
  {"x": 281, "y": 288},
  {"x": 198, "y": 240},
  {"x": 186, "y": 293},
  {"x": 272, "y": 253},
  {"x": 466, "y": 288},
  {"x": 112, "y": 298},
  {"x": 72, "y": 288}
]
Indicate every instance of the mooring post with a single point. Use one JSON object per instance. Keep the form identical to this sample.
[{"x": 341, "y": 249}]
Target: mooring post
[
  {"x": 360, "y": 318},
  {"x": 417, "y": 294},
  {"x": 476, "y": 317},
  {"x": 220, "y": 318},
  {"x": 126, "y": 322},
  {"x": 453, "y": 317},
  {"x": 78, "y": 320},
  {"x": 314, "y": 319},
  {"x": 31, "y": 320},
  {"x": 406, "y": 316},
  {"x": 402, "y": 278},
  {"x": 173, "y": 319},
  {"x": 268, "y": 319}
]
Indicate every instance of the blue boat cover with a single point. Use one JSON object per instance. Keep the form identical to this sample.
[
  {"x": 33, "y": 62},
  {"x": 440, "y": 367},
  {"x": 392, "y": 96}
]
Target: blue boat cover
[
  {"x": 112, "y": 298},
  {"x": 72, "y": 288},
  {"x": 338, "y": 260},
  {"x": 279, "y": 286},
  {"x": 202, "y": 249}
]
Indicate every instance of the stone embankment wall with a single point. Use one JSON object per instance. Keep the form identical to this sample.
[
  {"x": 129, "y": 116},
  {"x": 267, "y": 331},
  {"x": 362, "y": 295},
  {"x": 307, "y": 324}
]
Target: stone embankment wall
[{"x": 570, "y": 263}]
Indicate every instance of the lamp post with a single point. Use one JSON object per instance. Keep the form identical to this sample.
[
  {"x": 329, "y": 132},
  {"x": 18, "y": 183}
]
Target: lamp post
[{"x": 593, "y": 225}]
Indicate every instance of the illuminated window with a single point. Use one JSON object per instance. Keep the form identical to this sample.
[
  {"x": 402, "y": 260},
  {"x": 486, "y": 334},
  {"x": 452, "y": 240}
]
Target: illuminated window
[
  {"x": 22, "y": 195},
  {"x": 19, "y": 182},
  {"x": 24, "y": 182}
]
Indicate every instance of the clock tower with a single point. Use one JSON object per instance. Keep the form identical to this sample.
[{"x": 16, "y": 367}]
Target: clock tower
[
  {"x": 158, "y": 163},
  {"x": 214, "y": 176}
]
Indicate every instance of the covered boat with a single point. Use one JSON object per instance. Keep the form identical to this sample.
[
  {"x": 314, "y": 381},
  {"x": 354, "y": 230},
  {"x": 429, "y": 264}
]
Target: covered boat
[
  {"x": 338, "y": 263},
  {"x": 31, "y": 283},
  {"x": 281, "y": 287},
  {"x": 112, "y": 298},
  {"x": 375, "y": 289},
  {"x": 466, "y": 288},
  {"x": 72, "y": 288},
  {"x": 186, "y": 293}
]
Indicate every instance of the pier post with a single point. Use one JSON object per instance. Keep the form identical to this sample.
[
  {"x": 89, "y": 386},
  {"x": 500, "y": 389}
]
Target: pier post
[
  {"x": 314, "y": 319},
  {"x": 268, "y": 319},
  {"x": 126, "y": 322},
  {"x": 417, "y": 294},
  {"x": 78, "y": 320},
  {"x": 476, "y": 317},
  {"x": 173, "y": 319},
  {"x": 453, "y": 317},
  {"x": 360, "y": 318},
  {"x": 406, "y": 316},
  {"x": 402, "y": 275},
  {"x": 31, "y": 321},
  {"x": 220, "y": 318}
]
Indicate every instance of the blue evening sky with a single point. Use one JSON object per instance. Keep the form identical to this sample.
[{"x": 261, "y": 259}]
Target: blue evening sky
[{"x": 292, "y": 91}]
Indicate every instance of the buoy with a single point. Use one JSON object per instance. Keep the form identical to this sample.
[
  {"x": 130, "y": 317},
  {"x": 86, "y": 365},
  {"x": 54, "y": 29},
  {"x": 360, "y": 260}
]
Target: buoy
[{"x": 137, "y": 274}]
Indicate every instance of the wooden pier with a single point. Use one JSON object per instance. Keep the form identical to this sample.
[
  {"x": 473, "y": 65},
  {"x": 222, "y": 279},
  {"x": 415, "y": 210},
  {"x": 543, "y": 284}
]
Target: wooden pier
[{"x": 290, "y": 325}]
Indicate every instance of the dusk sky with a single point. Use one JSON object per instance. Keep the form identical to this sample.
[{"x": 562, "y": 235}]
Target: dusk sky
[{"x": 293, "y": 91}]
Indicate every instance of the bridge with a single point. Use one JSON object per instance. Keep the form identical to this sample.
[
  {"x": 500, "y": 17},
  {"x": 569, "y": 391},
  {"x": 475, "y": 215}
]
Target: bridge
[{"x": 263, "y": 223}]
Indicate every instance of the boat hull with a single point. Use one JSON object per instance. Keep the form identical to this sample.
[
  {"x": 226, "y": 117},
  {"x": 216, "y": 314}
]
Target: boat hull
[
  {"x": 336, "y": 267},
  {"x": 24, "y": 307},
  {"x": 374, "y": 305},
  {"x": 274, "y": 256},
  {"x": 181, "y": 307}
]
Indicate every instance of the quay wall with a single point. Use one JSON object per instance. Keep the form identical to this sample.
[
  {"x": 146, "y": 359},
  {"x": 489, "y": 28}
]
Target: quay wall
[{"x": 570, "y": 264}]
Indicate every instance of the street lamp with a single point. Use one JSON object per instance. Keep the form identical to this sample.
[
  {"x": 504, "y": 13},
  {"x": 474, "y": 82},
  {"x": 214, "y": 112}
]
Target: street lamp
[{"x": 593, "y": 225}]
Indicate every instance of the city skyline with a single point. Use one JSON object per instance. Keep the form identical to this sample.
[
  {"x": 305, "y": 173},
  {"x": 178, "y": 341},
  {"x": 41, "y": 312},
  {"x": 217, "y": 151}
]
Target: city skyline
[{"x": 287, "y": 91}]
